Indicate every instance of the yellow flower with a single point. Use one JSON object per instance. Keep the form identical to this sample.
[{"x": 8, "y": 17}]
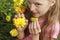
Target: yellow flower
[
  {"x": 13, "y": 32},
  {"x": 18, "y": 1},
  {"x": 17, "y": 9},
  {"x": 19, "y": 22},
  {"x": 20, "y": 9},
  {"x": 8, "y": 18},
  {"x": 17, "y": 6},
  {"x": 23, "y": 9},
  {"x": 21, "y": 1},
  {"x": 34, "y": 19}
]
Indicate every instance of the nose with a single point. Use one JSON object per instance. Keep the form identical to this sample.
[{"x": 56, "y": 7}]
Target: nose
[{"x": 32, "y": 8}]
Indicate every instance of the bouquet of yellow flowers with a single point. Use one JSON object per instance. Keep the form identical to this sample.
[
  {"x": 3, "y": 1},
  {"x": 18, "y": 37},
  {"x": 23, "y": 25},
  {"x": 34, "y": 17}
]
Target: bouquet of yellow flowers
[{"x": 19, "y": 22}]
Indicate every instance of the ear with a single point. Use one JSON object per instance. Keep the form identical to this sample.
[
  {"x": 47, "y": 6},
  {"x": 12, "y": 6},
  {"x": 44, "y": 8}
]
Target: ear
[{"x": 52, "y": 2}]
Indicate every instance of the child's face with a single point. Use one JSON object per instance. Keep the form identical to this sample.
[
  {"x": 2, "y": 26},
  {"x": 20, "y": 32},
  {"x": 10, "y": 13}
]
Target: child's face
[{"x": 38, "y": 7}]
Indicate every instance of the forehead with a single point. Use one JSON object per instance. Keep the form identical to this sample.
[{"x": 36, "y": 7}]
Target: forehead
[{"x": 37, "y": 0}]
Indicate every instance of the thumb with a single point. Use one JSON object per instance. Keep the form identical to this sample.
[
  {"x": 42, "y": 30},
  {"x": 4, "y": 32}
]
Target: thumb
[
  {"x": 16, "y": 16},
  {"x": 22, "y": 15},
  {"x": 26, "y": 22},
  {"x": 19, "y": 15}
]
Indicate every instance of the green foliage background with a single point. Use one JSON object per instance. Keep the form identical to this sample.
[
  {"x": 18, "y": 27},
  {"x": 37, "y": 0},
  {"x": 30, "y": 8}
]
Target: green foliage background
[{"x": 6, "y": 8}]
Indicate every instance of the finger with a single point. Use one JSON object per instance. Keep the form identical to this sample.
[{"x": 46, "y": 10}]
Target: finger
[
  {"x": 19, "y": 15},
  {"x": 29, "y": 28},
  {"x": 16, "y": 16},
  {"x": 32, "y": 30},
  {"x": 38, "y": 27},
  {"x": 22, "y": 15},
  {"x": 26, "y": 21},
  {"x": 26, "y": 24},
  {"x": 35, "y": 28}
]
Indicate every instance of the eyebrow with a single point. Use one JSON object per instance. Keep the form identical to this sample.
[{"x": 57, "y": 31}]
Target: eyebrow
[{"x": 36, "y": 2}]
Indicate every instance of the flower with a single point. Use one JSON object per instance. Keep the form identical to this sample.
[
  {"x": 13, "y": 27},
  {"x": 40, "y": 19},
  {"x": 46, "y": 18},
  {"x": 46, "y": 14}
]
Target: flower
[
  {"x": 34, "y": 19},
  {"x": 18, "y": 6},
  {"x": 8, "y": 18},
  {"x": 19, "y": 22},
  {"x": 19, "y": 2},
  {"x": 17, "y": 9},
  {"x": 21, "y": 10},
  {"x": 13, "y": 32}
]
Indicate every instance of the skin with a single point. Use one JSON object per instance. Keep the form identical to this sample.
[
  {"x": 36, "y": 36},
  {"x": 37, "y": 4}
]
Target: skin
[{"x": 38, "y": 9}]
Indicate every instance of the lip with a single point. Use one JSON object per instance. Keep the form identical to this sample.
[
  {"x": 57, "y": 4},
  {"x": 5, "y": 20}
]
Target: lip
[{"x": 34, "y": 12}]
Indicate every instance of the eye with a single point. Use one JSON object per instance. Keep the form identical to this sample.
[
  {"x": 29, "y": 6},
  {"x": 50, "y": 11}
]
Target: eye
[{"x": 38, "y": 4}]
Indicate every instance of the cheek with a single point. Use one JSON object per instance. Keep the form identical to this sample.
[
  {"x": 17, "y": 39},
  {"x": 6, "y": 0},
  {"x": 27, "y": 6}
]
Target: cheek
[{"x": 43, "y": 9}]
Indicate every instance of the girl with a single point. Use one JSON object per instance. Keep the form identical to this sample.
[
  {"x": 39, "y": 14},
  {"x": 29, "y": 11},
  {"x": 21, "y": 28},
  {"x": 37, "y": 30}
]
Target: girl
[{"x": 47, "y": 26}]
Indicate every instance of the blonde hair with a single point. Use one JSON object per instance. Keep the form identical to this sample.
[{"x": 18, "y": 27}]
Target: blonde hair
[
  {"x": 54, "y": 12},
  {"x": 59, "y": 12},
  {"x": 52, "y": 17}
]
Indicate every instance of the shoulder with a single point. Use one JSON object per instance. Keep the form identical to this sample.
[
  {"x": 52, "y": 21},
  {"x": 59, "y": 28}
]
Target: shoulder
[
  {"x": 57, "y": 24},
  {"x": 56, "y": 30}
]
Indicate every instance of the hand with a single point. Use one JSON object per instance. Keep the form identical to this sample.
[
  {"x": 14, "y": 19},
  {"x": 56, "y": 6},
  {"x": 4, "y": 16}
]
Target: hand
[
  {"x": 21, "y": 30},
  {"x": 21, "y": 16},
  {"x": 34, "y": 28}
]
